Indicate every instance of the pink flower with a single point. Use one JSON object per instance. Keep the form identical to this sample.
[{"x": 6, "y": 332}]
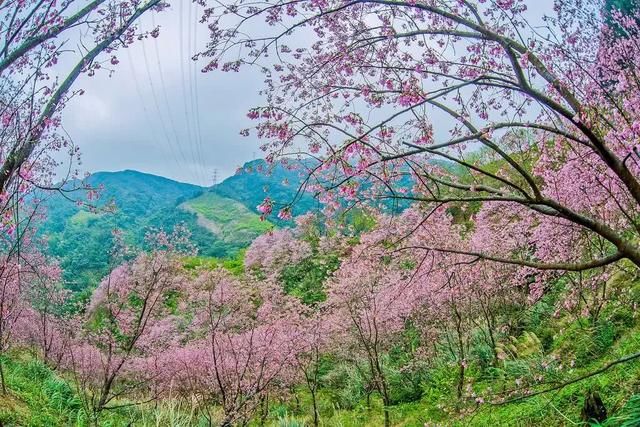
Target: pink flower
[
  {"x": 285, "y": 214},
  {"x": 265, "y": 208}
]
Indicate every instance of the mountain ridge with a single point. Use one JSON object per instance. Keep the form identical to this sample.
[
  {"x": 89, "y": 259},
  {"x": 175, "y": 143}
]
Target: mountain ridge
[{"x": 222, "y": 219}]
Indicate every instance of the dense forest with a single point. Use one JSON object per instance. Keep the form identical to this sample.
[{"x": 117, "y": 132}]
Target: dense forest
[{"x": 444, "y": 231}]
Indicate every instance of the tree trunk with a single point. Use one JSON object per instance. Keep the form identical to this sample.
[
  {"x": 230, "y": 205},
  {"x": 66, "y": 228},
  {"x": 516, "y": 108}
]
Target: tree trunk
[
  {"x": 593, "y": 409},
  {"x": 460, "y": 380},
  {"x": 265, "y": 409},
  {"x": 386, "y": 400},
  {"x": 297, "y": 398},
  {"x": 314, "y": 401},
  {"x": 387, "y": 415},
  {"x": 461, "y": 352},
  {"x": 2, "y": 380}
]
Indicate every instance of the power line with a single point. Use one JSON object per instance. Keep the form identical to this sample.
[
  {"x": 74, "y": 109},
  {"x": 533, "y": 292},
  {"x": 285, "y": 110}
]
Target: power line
[
  {"x": 185, "y": 93},
  {"x": 200, "y": 142},
  {"x": 165, "y": 95},
  {"x": 143, "y": 101}
]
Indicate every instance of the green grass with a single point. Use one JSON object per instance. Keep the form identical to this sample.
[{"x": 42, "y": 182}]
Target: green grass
[
  {"x": 619, "y": 388},
  {"x": 39, "y": 397},
  {"x": 563, "y": 407},
  {"x": 36, "y": 397},
  {"x": 228, "y": 218},
  {"x": 235, "y": 265}
]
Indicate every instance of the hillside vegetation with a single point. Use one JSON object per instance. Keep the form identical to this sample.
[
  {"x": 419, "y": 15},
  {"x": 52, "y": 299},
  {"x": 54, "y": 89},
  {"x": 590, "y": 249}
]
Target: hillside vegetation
[
  {"x": 222, "y": 220},
  {"x": 537, "y": 348},
  {"x": 446, "y": 231},
  {"x": 229, "y": 220}
]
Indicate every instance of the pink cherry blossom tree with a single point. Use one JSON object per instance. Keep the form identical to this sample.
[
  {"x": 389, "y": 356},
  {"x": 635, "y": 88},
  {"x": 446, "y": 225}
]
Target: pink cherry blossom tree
[
  {"x": 243, "y": 345},
  {"x": 528, "y": 128},
  {"x": 129, "y": 321},
  {"x": 23, "y": 273},
  {"x": 370, "y": 299},
  {"x": 384, "y": 91},
  {"x": 48, "y": 320},
  {"x": 273, "y": 251},
  {"x": 392, "y": 280},
  {"x": 315, "y": 341}
]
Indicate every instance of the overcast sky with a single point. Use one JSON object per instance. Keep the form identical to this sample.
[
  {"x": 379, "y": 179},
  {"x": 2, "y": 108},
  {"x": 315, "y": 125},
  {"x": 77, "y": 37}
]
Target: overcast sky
[{"x": 159, "y": 114}]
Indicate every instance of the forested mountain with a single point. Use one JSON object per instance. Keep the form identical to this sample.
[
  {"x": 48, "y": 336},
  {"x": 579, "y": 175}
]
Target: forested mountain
[
  {"x": 257, "y": 180},
  {"x": 79, "y": 237},
  {"x": 222, "y": 219}
]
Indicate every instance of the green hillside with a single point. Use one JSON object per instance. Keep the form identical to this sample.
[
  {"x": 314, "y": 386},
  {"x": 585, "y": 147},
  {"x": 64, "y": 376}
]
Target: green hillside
[
  {"x": 230, "y": 221},
  {"x": 257, "y": 180},
  {"x": 221, "y": 221},
  {"x": 130, "y": 201}
]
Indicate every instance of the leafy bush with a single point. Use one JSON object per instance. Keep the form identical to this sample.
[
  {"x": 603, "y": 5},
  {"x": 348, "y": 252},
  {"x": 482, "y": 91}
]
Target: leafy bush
[{"x": 346, "y": 386}]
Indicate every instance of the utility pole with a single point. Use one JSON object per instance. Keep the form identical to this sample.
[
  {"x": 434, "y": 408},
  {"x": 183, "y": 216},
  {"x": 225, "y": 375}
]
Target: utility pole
[{"x": 215, "y": 176}]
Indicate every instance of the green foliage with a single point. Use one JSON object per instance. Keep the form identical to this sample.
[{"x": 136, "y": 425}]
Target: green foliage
[
  {"x": 627, "y": 7},
  {"x": 584, "y": 343},
  {"x": 220, "y": 226},
  {"x": 131, "y": 202},
  {"x": 563, "y": 407},
  {"x": 230, "y": 221},
  {"x": 235, "y": 265},
  {"x": 257, "y": 180},
  {"x": 287, "y": 421},
  {"x": 405, "y": 385},
  {"x": 405, "y": 377},
  {"x": 306, "y": 278},
  {"x": 526, "y": 346},
  {"x": 39, "y": 397},
  {"x": 359, "y": 221},
  {"x": 622, "y": 317},
  {"x": 548, "y": 350},
  {"x": 629, "y": 415},
  {"x": 346, "y": 386},
  {"x": 83, "y": 249}
]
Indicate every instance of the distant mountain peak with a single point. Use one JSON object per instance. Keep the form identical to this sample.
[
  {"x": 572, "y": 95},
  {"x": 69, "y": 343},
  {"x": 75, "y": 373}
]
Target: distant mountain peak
[{"x": 138, "y": 174}]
